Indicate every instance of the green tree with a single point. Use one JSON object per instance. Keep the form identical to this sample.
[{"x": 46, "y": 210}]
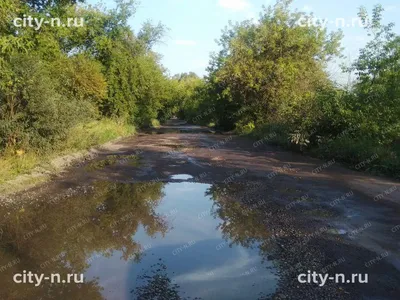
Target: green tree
[
  {"x": 271, "y": 70},
  {"x": 377, "y": 101}
]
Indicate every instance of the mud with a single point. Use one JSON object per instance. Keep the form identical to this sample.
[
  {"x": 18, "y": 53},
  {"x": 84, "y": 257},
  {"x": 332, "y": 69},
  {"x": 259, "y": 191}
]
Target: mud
[{"x": 299, "y": 214}]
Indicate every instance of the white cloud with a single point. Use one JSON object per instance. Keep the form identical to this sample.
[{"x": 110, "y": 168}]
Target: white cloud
[
  {"x": 233, "y": 270},
  {"x": 236, "y": 5},
  {"x": 307, "y": 8},
  {"x": 186, "y": 42}
]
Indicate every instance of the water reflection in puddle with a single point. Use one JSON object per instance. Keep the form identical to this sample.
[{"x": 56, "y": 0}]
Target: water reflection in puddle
[
  {"x": 181, "y": 177},
  {"x": 196, "y": 256},
  {"x": 136, "y": 241}
]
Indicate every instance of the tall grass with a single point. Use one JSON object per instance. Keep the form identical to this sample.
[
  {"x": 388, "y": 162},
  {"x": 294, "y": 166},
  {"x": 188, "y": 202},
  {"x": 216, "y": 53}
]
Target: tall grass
[
  {"x": 81, "y": 137},
  {"x": 361, "y": 154},
  {"x": 95, "y": 133}
]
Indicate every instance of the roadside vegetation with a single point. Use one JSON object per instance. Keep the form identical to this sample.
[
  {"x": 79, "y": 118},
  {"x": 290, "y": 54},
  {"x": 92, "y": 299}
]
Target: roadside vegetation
[
  {"x": 64, "y": 89},
  {"x": 270, "y": 81}
]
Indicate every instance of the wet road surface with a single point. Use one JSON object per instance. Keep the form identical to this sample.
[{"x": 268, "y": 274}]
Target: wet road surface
[{"x": 184, "y": 213}]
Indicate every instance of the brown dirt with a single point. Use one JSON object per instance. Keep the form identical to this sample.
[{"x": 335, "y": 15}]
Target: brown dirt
[{"x": 338, "y": 198}]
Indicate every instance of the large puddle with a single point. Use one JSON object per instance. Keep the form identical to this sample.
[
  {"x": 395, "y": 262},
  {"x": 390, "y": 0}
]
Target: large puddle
[{"x": 136, "y": 241}]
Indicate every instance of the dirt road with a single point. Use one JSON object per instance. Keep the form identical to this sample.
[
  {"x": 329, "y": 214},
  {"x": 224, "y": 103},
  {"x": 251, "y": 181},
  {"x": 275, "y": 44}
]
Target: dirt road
[{"x": 229, "y": 218}]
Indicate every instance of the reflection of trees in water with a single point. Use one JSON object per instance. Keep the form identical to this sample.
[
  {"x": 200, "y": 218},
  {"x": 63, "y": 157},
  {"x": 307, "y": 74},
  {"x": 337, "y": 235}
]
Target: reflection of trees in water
[
  {"x": 239, "y": 224},
  {"x": 101, "y": 221},
  {"x": 276, "y": 231},
  {"x": 157, "y": 285},
  {"x": 248, "y": 227},
  {"x": 269, "y": 227}
]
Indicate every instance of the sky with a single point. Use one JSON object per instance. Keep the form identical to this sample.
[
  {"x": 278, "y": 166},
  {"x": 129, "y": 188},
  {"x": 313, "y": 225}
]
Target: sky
[{"x": 194, "y": 25}]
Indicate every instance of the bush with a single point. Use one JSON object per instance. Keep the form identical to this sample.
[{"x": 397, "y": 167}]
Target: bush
[
  {"x": 274, "y": 134},
  {"x": 362, "y": 154},
  {"x": 33, "y": 113},
  {"x": 244, "y": 129},
  {"x": 80, "y": 137},
  {"x": 155, "y": 123}
]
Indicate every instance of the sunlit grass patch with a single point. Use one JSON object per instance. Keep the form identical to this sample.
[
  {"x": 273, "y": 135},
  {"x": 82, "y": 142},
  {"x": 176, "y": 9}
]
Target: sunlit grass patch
[
  {"x": 95, "y": 133},
  {"x": 82, "y": 137},
  {"x": 101, "y": 164},
  {"x": 110, "y": 160}
]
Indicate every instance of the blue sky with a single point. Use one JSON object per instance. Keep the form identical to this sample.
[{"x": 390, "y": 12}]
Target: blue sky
[{"x": 195, "y": 24}]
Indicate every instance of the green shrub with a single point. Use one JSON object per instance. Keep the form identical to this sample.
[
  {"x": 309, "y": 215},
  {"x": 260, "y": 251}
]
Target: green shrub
[
  {"x": 273, "y": 134},
  {"x": 155, "y": 123},
  {"x": 348, "y": 149},
  {"x": 244, "y": 129},
  {"x": 363, "y": 155},
  {"x": 33, "y": 113},
  {"x": 80, "y": 137}
]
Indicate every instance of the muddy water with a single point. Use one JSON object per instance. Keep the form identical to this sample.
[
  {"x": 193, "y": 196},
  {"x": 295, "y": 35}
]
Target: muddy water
[{"x": 134, "y": 241}]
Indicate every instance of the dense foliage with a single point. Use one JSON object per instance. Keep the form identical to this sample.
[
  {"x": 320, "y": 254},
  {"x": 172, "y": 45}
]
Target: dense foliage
[
  {"x": 55, "y": 78},
  {"x": 270, "y": 79}
]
